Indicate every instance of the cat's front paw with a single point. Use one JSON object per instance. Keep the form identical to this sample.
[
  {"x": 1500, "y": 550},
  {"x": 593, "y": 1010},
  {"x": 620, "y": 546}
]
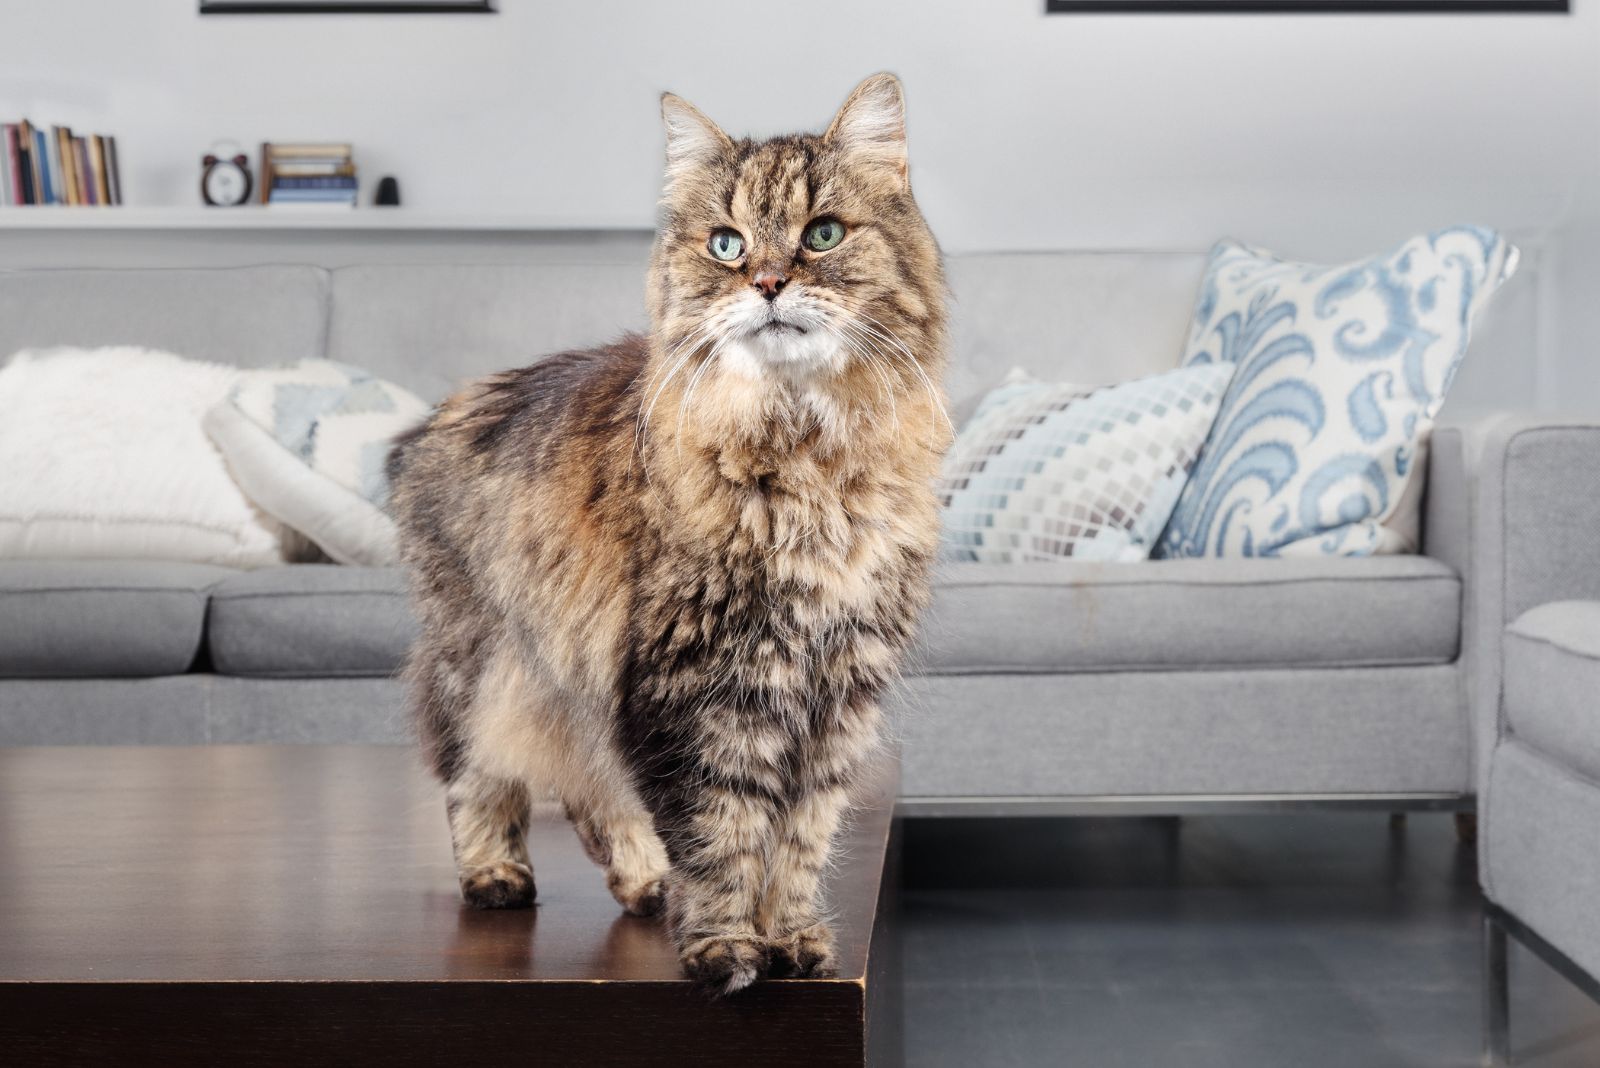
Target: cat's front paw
[
  {"x": 726, "y": 964},
  {"x": 805, "y": 954},
  {"x": 506, "y": 885},
  {"x": 640, "y": 899}
]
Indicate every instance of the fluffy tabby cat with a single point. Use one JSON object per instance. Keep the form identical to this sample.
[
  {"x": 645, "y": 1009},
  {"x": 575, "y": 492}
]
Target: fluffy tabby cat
[{"x": 667, "y": 580}]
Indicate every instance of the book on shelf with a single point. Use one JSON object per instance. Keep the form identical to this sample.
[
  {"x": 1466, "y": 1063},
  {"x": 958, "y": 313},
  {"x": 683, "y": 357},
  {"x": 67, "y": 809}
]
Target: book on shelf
[
  {"x": 13, "y": 150},
  {"x": 113, "y": 170},
  {"x": 314, "y": 170},
  {"x": 308, "y": 174},
  {"x": 54, "y": 166},
  {"x": 64, "y": 153},
  {"x": 52, "y": 175},
  {"x": 287, "y": 150}
]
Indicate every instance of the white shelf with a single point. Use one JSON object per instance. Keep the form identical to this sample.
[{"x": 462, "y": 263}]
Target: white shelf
[{"x": 257, "y": 217}]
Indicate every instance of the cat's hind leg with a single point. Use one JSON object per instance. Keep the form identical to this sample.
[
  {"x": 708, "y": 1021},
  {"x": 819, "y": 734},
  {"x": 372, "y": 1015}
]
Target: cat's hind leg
[
  {"x": 488, "y": 813},
  {"x": 488, "y": 820},
  {"x": 617, "y": 835}
]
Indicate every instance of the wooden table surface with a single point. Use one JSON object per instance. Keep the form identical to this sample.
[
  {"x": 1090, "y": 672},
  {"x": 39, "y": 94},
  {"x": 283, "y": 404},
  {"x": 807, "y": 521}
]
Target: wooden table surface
[{"x": 128, "y": 871}]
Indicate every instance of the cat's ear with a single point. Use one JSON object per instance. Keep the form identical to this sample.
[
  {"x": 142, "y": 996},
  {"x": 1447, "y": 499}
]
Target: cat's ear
[
  {"x": 871, "y": 126},
  {"x": 692, "y": 139}
]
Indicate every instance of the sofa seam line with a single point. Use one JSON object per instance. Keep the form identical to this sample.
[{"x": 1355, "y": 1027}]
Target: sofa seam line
[
  {"x": 289, "y": 677},
  {"x": 1544, "y": 756},
  {"x": 1089, "y": 586},
  {"x": 283, "y": 595},
  {"x": 1550, "y": 644},
  {"x": 1192, "y": 669},
  {"x": 180, "y": 591}
]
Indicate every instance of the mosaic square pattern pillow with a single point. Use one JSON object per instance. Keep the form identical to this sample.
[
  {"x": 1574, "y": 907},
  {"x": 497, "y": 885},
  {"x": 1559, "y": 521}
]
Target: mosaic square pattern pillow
[
  {"x": 1048, "y": 472},
  {"x": 1340, "y": 373},
  {"x": 308, "y": 444}
]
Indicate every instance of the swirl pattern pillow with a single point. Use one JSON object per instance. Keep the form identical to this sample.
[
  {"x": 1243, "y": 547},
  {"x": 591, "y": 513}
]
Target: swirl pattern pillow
[
  {"x": 1340, "y": 374},
  {"x": 1046, "y": 472}
]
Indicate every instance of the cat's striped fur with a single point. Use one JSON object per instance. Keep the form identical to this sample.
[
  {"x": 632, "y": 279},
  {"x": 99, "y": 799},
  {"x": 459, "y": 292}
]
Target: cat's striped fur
[{"x": 668, "y": 579}]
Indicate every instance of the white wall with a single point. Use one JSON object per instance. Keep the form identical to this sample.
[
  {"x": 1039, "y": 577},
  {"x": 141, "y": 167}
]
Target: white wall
[
  {"x": 1028, "y": 131},
  {"x": 1321, "y": 135}
]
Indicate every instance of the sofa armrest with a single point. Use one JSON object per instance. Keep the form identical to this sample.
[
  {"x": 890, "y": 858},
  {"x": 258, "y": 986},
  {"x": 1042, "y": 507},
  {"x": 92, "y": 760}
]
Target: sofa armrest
[
  {"x": 1447, "y": 500},
  {"x": 1535, "y": 538}
]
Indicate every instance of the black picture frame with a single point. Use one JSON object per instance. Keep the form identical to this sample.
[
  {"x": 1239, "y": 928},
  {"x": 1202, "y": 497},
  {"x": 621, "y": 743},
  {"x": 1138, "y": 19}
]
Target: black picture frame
[
  {"x": 347, "y": 7},
  {"x": 1308, "y": 7}
]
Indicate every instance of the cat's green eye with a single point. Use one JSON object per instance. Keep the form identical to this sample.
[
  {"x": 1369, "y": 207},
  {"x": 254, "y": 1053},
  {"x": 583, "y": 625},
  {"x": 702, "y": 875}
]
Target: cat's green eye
[
  {"x": 726, "y": 245},
  {"x": 824, "y": 234}
]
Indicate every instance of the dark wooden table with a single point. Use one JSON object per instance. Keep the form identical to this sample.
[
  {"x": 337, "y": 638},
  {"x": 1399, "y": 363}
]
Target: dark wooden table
[{"x": 297, "y": 905}]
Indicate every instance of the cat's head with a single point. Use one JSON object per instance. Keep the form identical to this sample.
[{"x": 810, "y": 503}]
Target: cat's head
[{"x": 797, "y": 257}]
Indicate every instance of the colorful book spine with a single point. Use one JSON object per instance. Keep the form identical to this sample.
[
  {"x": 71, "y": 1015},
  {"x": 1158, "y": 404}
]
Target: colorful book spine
[
  {"x": 41, "y": 146},
  {"x": 30, "y": 169},
  {"x": 97, "y": 169},
  {"x": 313, "y": 183},
  {"x": 309, "y": 196},
  {"x": 85, "y": 172},
  {"x": 13, "y": 160},
  {"x": 314, "y": 170},
  {"x": 114, "y": 171},
  {"x": 287, "y": 151},
  {"x": 69, "y": 169},
  {"x": 52, "y": 144}
]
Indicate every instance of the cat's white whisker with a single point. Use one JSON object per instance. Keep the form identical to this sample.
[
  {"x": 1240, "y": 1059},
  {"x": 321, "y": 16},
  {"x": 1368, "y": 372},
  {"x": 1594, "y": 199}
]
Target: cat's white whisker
[
  {"x": 875, "y": 359},
  {"x": 889, "y": 336},
  {"x": 684, "y": 407},
  {"x": 687, "y": 347}
]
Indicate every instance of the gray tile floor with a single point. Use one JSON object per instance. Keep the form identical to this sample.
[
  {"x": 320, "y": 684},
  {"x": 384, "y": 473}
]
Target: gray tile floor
[{"x": 1308, "y": 940}]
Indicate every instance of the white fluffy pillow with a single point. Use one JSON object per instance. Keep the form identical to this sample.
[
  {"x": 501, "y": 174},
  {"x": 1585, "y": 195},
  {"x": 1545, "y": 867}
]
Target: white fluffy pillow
[
  {"x": 309, "y": 444},
  {"x": 102, "y": 456}
]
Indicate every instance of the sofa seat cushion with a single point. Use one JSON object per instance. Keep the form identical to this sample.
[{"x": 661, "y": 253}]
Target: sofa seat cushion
[
  {"x": 1552, "y": 682},
  {"x": 310, "y": 621},
  {"x": 102, "y": 618},
  {"x": 1175, "y": 615}
]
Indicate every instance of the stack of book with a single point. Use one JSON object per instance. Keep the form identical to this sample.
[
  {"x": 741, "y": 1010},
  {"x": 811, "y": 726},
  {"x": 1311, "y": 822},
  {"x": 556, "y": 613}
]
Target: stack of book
[
  {"x": 308, "y": 175},
  {"x": 39, "y": 166}
]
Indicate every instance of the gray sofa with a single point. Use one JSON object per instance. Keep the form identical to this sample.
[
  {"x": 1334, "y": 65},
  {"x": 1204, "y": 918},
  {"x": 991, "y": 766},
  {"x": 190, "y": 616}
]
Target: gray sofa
[
  {"x": 1126, "y": 686},
  {"x": 1538, "y": 704}
]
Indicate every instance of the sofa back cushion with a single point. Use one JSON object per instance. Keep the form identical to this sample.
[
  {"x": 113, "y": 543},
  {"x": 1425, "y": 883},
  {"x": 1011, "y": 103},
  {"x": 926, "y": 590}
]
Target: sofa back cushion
[
  {"x": 431, "y": 326},
  {"x": 1091, "y": 318},
  {"x": 249, "y": 316},
  {"x": 1079, "y": 316}
]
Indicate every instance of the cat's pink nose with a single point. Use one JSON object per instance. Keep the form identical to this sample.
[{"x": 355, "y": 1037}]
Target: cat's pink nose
[{"x": 770, "y": 283}]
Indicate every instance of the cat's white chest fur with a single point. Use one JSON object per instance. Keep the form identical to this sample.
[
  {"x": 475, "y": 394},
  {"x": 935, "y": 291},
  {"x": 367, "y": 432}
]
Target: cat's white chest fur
[{"x": 783, "y": 351}]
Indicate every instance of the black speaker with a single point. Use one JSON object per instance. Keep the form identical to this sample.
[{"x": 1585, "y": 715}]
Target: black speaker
[{"x": 388, "y": 195}]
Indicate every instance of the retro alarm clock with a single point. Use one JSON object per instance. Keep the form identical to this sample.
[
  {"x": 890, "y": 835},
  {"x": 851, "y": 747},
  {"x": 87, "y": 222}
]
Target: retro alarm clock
[{"x": 225, "y": 177}]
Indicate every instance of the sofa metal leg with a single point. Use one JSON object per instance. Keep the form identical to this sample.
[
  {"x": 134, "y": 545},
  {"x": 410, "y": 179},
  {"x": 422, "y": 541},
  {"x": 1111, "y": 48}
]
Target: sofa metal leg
[
  {"x": 1496, "y": 995},
  {"x": 1467, "y": 828}
]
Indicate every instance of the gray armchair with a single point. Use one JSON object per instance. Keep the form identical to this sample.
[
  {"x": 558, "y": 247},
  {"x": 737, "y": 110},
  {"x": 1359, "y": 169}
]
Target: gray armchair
[{"x": 1534, "y": 603}]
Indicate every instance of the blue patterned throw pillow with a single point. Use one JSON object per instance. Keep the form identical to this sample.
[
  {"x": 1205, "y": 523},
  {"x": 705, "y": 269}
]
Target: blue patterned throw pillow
[
  {"x": 1046, "y": 472},
  {"x": 308, "y": 443},
  {"x": 1340, "y": 372}
]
